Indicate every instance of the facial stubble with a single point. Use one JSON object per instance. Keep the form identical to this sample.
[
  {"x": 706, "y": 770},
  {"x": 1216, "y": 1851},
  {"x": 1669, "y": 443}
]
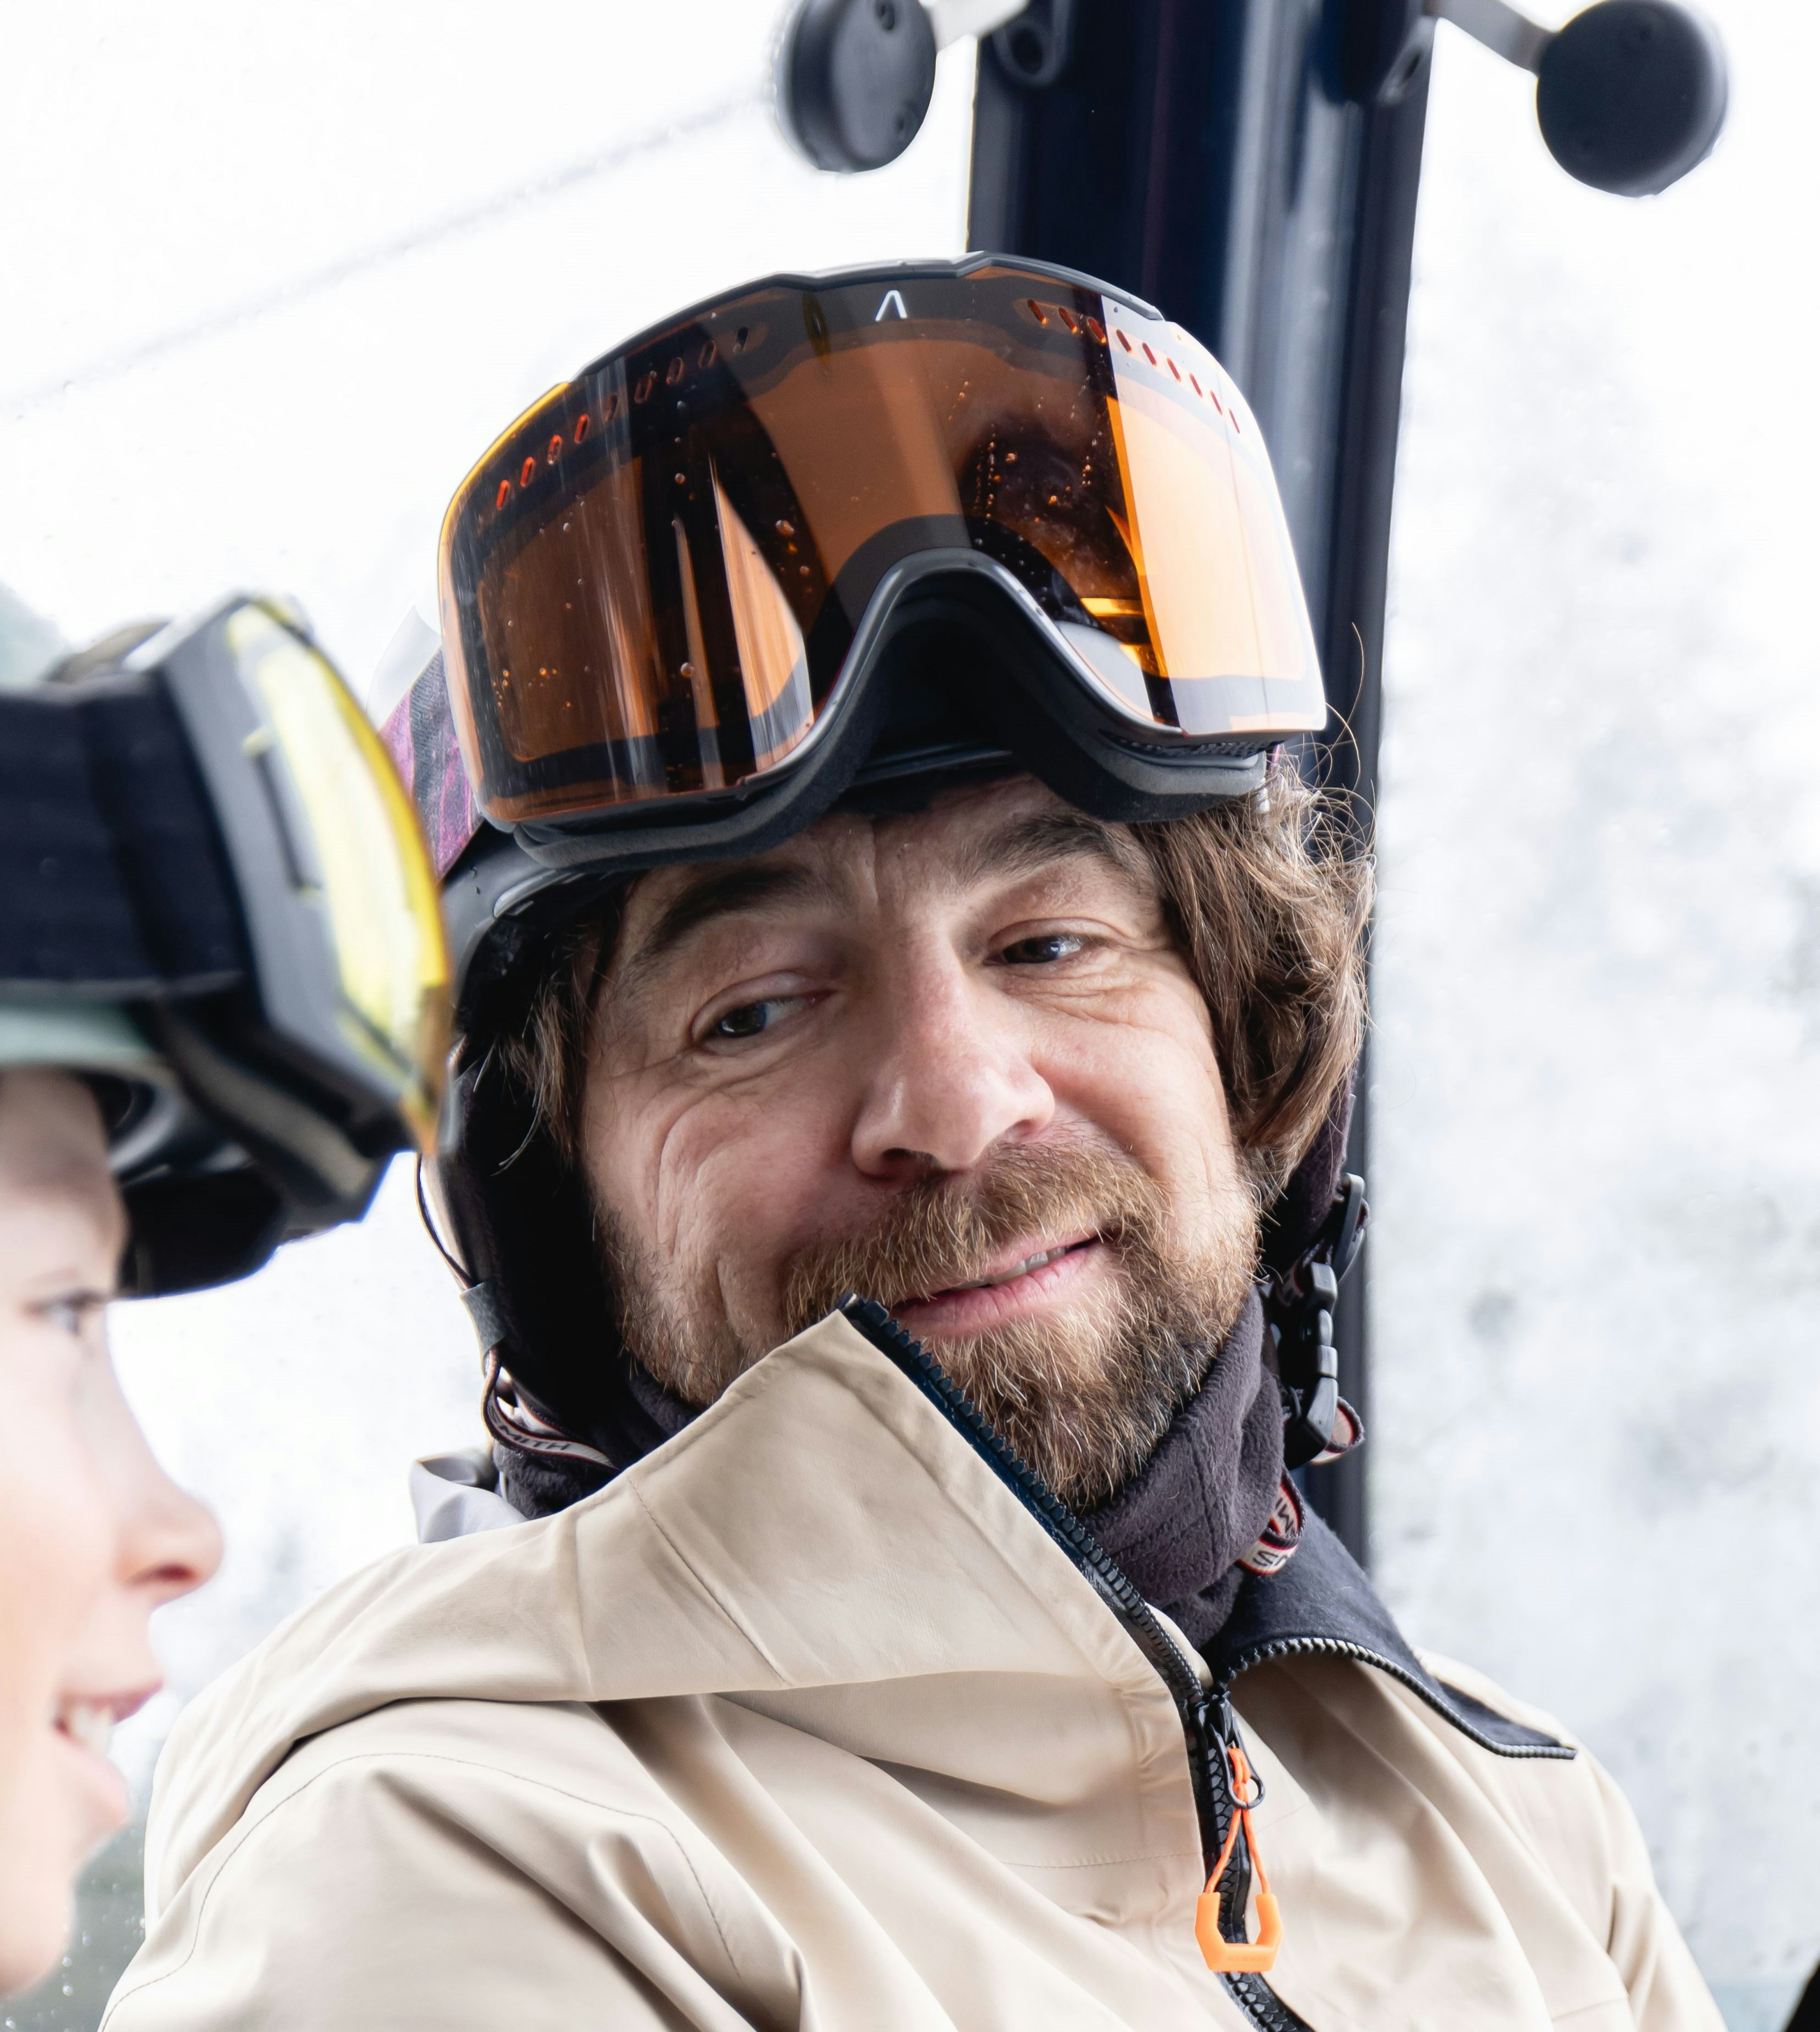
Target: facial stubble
[{"x": 1083, "y": 1394}]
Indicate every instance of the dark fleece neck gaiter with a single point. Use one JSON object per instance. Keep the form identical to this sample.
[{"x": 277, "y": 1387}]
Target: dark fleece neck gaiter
[{"x": 1181, "y": 1525}]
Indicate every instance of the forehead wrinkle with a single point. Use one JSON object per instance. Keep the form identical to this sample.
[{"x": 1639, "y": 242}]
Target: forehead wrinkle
[
  {"x": 1027, "y": 844},
  {"x": 739, "y": 888}
]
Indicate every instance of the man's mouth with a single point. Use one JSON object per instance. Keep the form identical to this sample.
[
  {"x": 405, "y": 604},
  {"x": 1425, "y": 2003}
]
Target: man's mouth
[
  {"x": 1024, "y": 1265},
  {"x": 1022, "y": 1268}
]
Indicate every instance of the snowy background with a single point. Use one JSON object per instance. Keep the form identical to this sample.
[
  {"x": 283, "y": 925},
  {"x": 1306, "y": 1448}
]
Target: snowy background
[
  {"x": 276, "y": 277},
  {"x": 1596, "y": 1465}
]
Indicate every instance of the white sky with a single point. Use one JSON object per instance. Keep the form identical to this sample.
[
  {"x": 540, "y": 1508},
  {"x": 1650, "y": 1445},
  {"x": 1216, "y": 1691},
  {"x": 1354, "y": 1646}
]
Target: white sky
[{"x": 171, "y": 165}]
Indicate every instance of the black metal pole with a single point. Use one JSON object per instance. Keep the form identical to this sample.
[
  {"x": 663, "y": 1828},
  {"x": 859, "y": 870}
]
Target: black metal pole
[
  {"x": 1204, "y": 154},
  {"x": 1353, "y": 639}
]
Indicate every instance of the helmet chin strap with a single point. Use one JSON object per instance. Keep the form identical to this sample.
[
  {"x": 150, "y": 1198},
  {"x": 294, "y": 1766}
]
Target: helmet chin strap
[
  {"x": 1318, "y": 1424},
  {"x": 510, "y": 1419}
]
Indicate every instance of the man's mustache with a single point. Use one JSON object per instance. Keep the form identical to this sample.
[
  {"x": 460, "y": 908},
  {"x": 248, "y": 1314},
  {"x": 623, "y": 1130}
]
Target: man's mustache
[{"x": 943, "y": 1233}]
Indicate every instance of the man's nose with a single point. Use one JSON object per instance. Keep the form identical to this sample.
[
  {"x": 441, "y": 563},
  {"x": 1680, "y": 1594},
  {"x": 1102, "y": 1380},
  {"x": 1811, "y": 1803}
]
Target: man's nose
[{"x": 951, "y": 1076}]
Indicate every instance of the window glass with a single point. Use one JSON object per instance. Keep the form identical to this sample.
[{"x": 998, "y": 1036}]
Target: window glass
[{"x": 1595, "y": 1453}]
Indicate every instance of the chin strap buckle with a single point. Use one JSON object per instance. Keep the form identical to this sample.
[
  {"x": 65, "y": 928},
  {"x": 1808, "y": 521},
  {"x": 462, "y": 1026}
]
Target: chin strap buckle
[{"x": 1318, "y": 1424}]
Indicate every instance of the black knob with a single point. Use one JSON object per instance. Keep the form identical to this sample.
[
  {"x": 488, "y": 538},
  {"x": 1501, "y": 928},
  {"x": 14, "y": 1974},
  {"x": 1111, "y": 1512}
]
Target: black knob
[
  {"x": 1632, "y": 94},
  {"x": 1034, "y": 49},
  {"x": 854, "y": 78}
]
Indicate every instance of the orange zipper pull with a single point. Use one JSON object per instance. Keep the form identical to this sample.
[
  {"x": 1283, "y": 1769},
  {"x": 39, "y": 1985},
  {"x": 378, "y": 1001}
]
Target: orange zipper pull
[{"x": 1224, "y": 1956}]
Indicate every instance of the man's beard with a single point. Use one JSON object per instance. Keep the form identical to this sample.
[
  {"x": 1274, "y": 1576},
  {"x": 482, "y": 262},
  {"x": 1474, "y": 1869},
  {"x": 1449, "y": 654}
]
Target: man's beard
[{"x": 1083, "y": 1394}]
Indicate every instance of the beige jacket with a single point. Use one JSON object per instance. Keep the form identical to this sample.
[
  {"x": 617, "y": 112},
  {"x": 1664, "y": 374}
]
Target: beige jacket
[{"x": 808, "y": 1721}]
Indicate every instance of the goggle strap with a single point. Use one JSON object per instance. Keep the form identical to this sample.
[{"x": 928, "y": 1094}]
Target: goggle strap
[
  {"x": 420, "y": 735},
  {"x": 115, "y": 881}
]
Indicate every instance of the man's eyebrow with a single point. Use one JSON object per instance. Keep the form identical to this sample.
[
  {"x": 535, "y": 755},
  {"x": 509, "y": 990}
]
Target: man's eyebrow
[
  {"x": 712, "y": 892},
  {"x": 1039, "y": 839}
]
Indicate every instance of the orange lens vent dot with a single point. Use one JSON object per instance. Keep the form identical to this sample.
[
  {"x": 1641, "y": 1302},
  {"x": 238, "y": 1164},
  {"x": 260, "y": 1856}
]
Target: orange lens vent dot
[
  {"x": 1036, "y": 310},
  {"x": 555, "y": 450},
  {"x": 527, "y": 473},
  {"x": 646, "y": 383},
  {"x": 673, "y": 373},
  {"x": 1097, "y": 329},
  {"x": 504, "y": 494},
  {"x": 581, "y": 427},
  {"x": 1149, "y": 355},
  {"x": 610, "y": 409},
  {"x": 1068, "y": 317},
  {"x": 705, "y": 358},
  {"x": 1123, "y": 340}
]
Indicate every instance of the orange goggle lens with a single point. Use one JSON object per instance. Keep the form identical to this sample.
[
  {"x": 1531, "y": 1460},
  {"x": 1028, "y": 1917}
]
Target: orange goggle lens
[{"x": 651, "y": 582}]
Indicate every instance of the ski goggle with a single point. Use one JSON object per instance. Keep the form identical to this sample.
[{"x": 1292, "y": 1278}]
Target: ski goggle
[
  {"x": 204, "y": 841},
  {"x": 664, "y": 582}
]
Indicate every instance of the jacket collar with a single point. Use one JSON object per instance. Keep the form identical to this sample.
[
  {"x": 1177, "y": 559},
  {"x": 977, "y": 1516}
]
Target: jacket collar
[
  {"x": 1320, "y": 1603},
  {"x": 821, "y": 1545},
  {"x": 1214, "y": 1469}
]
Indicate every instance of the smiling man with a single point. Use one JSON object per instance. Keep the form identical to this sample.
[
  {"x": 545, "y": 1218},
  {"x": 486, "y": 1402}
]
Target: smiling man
[
  {"x": 908, "y": 1015},
  {"x": 954, "y": 1059}
]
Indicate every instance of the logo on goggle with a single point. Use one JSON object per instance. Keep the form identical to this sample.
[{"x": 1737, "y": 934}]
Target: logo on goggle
[{"x": 891, "y": 303}]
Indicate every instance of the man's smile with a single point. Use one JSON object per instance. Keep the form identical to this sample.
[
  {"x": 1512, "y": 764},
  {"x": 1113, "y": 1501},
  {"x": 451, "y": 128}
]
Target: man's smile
[{"x": 1031, "y": 1276}]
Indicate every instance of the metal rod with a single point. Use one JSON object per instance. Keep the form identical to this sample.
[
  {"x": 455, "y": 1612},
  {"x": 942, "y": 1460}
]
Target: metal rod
[
  {"x": 1504, "y": 31},
  {"x": 952, "y": 18}
]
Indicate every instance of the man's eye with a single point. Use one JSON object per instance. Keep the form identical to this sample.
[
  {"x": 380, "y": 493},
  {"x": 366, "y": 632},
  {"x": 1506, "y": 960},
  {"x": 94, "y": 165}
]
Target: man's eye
[
  {"x": 747, "y": 1021},
  {"x": 1042, "y": 952},
  {"x": 754, "y": 1018}
]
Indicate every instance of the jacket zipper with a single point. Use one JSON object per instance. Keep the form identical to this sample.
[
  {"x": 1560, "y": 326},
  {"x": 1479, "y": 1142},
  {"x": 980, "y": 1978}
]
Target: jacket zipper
[{"x": 1208, "y": 1725}]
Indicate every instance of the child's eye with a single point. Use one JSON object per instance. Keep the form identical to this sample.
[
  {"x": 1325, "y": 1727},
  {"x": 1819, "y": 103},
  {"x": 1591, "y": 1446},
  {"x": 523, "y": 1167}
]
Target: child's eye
[{"x": 71, "y": 1312}]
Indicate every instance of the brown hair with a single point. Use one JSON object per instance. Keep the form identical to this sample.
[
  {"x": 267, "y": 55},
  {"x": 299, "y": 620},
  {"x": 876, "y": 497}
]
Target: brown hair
[{"x": 1268, "y": 899}]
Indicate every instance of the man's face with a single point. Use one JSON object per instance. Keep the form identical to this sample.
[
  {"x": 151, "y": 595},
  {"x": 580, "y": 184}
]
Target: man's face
[{"x": 955, "y": 1060}]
